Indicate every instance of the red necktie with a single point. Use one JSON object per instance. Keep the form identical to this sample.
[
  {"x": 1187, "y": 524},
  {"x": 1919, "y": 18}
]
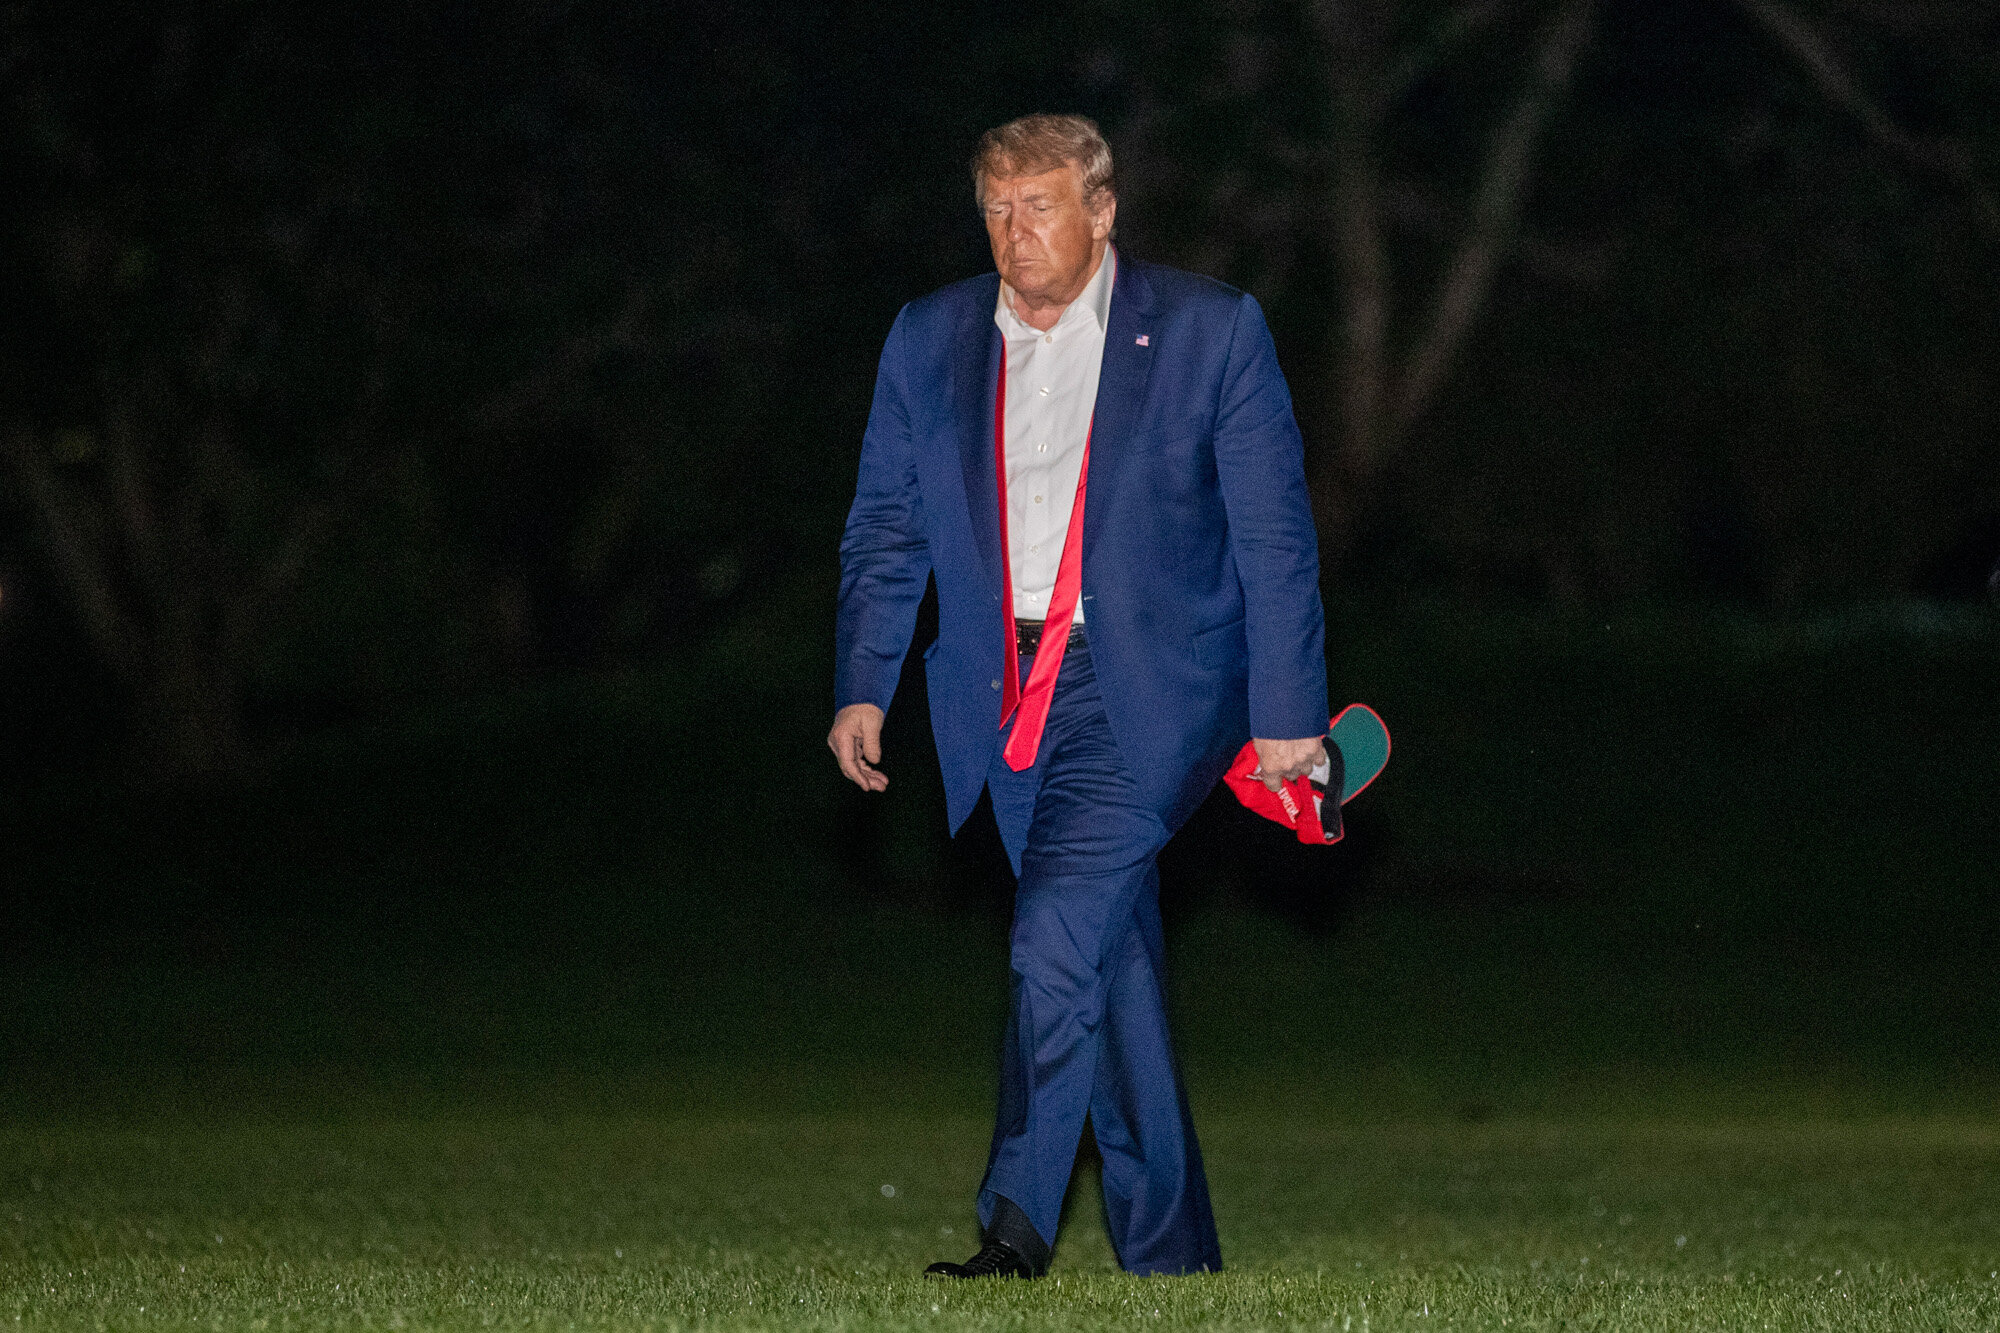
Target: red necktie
[{"x": 1032, "y": 704}]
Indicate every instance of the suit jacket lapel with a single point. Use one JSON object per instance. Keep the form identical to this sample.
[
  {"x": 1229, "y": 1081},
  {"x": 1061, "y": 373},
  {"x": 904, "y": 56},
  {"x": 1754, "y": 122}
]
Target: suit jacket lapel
[
  {"x": 1121, "y": 392},
  {"x": 975, "y": 374}
]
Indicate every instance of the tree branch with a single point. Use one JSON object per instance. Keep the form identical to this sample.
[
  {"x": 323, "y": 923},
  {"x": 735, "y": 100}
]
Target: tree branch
[
  {"x": 1456, "y": 28},
  {"x": 1364, "y": 263},
  {"x": 133, "y": 503},
  {"x": 308, "y": 524},
  {"x": 1354, "y": 35},
  {"x": 1502, "y": 192},
  {"x": 1812, "y": 50},
  {"x": 78, "y": 560}
]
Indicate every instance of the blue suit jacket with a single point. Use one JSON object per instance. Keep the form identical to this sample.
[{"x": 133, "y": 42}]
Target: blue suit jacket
[{"x": 1200, "y": 563}]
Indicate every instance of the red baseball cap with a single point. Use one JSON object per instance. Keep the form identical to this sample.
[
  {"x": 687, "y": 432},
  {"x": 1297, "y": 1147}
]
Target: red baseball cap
[{"x": 1357, "y": 747}]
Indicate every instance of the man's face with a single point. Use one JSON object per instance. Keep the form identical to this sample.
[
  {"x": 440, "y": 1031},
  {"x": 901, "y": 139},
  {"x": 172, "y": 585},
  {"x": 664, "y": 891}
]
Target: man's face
[{"x": 1045, "y": 242}]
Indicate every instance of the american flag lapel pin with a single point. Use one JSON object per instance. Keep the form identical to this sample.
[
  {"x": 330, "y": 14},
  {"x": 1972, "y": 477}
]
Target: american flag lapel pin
[{"x": 1143, "y": 340}]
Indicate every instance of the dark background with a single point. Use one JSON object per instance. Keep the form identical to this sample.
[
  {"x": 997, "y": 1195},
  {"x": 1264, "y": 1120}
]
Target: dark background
[{"x": 425, "y": 431}]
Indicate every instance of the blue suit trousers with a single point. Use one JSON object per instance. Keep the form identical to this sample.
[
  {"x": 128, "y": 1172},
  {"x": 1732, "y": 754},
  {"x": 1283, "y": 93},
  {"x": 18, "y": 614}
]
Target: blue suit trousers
[{"x": 1087, "y": 1025}]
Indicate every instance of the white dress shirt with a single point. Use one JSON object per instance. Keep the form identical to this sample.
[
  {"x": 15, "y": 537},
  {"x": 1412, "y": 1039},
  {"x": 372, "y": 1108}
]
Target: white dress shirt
[{"x": 1051, "y": 393}]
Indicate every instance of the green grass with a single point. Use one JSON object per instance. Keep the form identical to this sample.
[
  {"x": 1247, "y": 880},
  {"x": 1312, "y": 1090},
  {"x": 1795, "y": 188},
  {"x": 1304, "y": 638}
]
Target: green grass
[
  {"x": 435, "y": 1217},
  {"x": 1670, "y": 1000}
]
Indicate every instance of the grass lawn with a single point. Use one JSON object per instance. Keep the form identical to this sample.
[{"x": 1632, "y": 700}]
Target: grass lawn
[
  {"x": 374, "y": 1216},
  {"x": 1665, "y": 996}
]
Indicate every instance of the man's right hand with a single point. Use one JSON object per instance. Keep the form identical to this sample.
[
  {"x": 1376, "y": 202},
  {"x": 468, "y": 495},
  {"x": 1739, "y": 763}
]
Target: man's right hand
[{"x": 856, "y": 741}]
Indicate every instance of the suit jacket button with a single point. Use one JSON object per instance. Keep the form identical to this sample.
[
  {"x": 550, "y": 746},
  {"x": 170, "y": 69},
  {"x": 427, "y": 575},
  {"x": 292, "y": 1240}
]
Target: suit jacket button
[{"x": 996, "y": 684}]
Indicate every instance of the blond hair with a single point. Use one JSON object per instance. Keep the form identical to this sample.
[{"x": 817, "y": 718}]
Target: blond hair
[{"x": 1043, "y": 142}]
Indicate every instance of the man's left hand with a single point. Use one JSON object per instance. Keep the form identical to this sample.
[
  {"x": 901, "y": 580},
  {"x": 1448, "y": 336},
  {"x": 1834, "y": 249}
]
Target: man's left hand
[{"x": 1278, "y": 762}]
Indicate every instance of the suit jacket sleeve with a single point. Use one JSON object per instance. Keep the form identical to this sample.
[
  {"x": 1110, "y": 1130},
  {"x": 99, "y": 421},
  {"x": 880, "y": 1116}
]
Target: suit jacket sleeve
[
  {"x": 1260, "y": 464},
  {"x": 884, "y": 559}
]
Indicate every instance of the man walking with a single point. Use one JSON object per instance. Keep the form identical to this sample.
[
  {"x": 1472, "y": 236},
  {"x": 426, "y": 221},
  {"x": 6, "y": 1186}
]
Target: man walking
[{"x": 1096, "y": 460}]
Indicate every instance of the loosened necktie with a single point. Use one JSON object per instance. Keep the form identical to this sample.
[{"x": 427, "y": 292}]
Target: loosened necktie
[{"x": 1032, "y": 702}]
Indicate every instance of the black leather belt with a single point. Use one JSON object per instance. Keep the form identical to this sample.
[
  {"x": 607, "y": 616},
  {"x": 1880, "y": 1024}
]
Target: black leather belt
[{"x": 1028, "y": 635}]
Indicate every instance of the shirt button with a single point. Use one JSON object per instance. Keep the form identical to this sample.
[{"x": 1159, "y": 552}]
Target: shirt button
[
  {"x": 1048, "y": 337},
  {"x": 1038, "y": 499},
  {"x": 1045, "y": 391},
  {"x": 1041, "y": 448}
]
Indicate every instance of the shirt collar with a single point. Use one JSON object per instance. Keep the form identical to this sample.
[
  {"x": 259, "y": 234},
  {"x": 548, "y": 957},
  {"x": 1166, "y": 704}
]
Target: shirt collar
[{"x": 1094, "y": 301}]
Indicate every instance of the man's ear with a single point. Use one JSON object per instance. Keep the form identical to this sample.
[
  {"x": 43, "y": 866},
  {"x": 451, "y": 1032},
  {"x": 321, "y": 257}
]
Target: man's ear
[{"x": 1100, "y": 223}]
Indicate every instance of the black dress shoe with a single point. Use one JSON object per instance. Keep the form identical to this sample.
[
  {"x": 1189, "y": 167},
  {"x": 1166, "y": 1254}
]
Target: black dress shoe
[{"x": 995, "y": 1259}]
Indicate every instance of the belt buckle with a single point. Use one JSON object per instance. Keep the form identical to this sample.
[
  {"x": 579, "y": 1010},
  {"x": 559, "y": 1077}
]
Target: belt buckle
[{"x": 1028, "y": 635}]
